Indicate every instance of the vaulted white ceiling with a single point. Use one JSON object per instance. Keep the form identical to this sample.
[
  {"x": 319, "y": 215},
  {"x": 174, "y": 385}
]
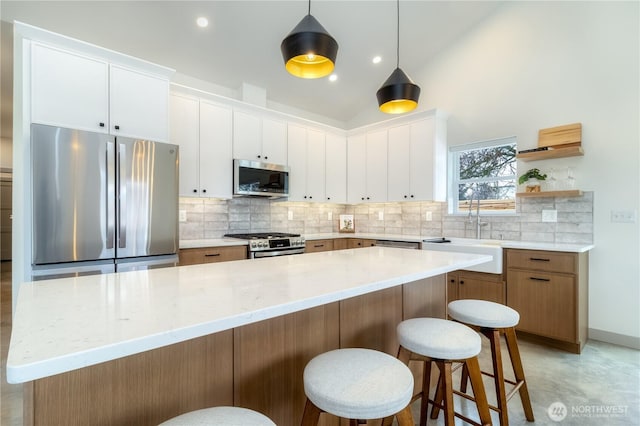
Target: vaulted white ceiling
[{"x": 242, "y": 42}]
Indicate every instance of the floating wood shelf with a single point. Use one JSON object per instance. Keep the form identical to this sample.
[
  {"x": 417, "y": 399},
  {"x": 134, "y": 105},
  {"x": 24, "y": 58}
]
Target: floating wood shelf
[
  {"x": 570, "y": 151},
  {"x": 568, "y": 193}
]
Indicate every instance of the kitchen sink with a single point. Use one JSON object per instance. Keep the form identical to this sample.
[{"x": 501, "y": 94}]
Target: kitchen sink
[{"x": 469, "y": 245}]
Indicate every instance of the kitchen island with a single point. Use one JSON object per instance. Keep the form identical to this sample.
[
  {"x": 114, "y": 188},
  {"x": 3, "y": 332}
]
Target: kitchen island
[{"x": 140, "y": 347}]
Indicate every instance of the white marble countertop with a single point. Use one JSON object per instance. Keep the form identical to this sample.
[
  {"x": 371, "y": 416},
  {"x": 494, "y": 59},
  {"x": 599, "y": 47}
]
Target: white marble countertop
[
  {"x": 70, "y": 323},
  {"x": 525, "y": 245}
]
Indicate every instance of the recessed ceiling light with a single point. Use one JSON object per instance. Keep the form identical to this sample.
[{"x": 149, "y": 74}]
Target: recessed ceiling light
[
  {"x": 376, "y": 59},
  {"x": 202, "y": 22},
  {"x": 333, "y": 77}
]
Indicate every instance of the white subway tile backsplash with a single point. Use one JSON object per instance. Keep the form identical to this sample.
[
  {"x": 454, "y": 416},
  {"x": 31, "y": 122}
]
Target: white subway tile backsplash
[{"x": 209, "y": 218}]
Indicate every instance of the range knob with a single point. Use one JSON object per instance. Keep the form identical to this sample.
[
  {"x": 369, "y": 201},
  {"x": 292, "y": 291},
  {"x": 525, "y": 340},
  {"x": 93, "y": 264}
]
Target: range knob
[{"x": 253, "y": 244}]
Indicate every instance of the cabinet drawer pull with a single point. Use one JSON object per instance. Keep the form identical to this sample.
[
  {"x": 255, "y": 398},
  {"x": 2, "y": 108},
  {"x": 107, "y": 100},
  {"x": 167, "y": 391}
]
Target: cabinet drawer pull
[
  {"x": 539, "y": 259},
  {"x": 318, "y": 245},
  {"x": 212, "y": 255},
  {"x": 539, "y": 279}
]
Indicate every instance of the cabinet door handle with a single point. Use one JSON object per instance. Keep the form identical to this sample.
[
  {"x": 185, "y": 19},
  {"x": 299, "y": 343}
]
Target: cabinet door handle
[
  {"x": 540, "y": 279},
  {"x": 101, "y": 124},
  {"x": 212, "y": 255},
  {"x": 539, "y": 259},
  {"x": 266, "y": 158},
  {"x": 204, "y": 190},
  {"x": 195, "y": 190},
  {"x": 461, "y": 282},
  {"x": 453, "y": 281},
  {"x": 117, "y": 127}
]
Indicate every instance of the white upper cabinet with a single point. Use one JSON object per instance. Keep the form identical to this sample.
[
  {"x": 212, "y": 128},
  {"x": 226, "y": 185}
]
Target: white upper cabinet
[
  {"x": 306, "y": 153},
  {"x": 184, "y": 116},
  {"x": 367, "y": 167},
  {"x": 69, "y": 90},
  {"x": 80, "y": 92},
  {"x": 335, "y": 168},
  {"x": 377, "y": 166},
  {"x": 216, "y": 156},
  {"x": 259, "y": 138},
  {"x": 417, "y": 161},
  {"x": 139, "y": 104},
  {"x": 203, "y": 131},
  {"x": 357, "y": 168}
]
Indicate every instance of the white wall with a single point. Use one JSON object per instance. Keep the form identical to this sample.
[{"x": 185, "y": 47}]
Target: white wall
[{"x": 534, "y": 65}]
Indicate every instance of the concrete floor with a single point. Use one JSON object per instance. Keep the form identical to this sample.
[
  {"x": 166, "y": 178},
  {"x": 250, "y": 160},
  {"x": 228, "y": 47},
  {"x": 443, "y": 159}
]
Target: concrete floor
[{"x": 601, "y": 386}]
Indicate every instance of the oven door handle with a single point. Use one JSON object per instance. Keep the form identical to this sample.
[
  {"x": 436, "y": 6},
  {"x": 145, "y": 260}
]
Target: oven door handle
[{"x": 272, "y": 253}]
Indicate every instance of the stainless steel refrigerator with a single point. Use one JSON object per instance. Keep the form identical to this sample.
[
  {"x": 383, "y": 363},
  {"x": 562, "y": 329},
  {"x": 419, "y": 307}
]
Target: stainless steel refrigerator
[{"x": 101, "y": 203}]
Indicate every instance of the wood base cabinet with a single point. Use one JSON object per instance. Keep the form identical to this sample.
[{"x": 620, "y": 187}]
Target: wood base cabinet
[
  {"x": 549, "y": 291},
  {"x": 475, "y": 285},
  {"x": 197, "y": 256}
]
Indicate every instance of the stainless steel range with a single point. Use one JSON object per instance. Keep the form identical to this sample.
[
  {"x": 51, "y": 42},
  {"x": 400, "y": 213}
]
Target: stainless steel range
[{"x": 267, "y": 244}]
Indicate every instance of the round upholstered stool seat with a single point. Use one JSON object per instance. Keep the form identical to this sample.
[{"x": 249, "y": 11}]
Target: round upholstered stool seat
[
  {"x": 358, "y": 383},
  {"x": 438, "y": 338},
  {"x": 220, "y": 416},
  {"x": 483, "y": 313}
]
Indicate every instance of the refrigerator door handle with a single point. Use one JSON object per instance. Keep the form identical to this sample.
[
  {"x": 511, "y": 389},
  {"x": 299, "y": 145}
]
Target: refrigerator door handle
[
  {"x": 122, "y": 182},
  {"x": 111, "y": 188}
]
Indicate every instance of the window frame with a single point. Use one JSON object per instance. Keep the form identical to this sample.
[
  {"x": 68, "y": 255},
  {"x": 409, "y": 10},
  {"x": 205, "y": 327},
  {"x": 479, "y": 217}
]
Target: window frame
[{"x": 454, "y": 180}]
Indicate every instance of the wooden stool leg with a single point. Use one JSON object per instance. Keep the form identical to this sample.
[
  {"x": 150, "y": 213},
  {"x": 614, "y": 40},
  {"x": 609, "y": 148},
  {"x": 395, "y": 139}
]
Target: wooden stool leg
[
  {"x": 439, "y": 396},
  {"x": 464, "y": 378},
  {"x": 404, "y": 417},
  {"x": 518, "y": 371},
  {"x": 426, "y": 384},
  {"x": 498, "y": 374},
  {"x": 478, "y": 390},
  {"x": 449, "y": 413},
  {"x": 311, "y": 414}
]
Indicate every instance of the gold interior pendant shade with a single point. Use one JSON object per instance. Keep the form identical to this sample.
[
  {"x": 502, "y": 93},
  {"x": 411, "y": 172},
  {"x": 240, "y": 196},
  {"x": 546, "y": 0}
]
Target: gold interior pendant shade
[
  {"x": 398, "y": 94},
  {"x": 309, "y": 51}
]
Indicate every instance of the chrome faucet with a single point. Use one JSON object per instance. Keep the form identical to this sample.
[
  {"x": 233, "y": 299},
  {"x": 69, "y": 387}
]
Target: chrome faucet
[{"x": 479, "y": 224}]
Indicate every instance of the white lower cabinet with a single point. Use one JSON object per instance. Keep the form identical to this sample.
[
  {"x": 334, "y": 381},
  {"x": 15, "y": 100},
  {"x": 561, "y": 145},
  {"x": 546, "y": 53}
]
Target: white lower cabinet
[{"x": 203, "y": 130}]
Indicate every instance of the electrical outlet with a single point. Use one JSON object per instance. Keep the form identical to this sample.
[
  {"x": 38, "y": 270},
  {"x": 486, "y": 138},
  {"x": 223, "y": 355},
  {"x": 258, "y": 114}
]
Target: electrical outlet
[
  {"x": 290, "y": 215},
  {"x": 549, "y": 215},
  {"x": 428, "y": 216},
  {"x": 182, "y": 215},
  {"x": 329, "y": 215},
  {"x": 624, "y": 216},
  {"x": 380, "y": 215}
]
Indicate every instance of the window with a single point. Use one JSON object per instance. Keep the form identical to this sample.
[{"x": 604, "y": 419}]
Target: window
[{"x": 484, "y": 171}]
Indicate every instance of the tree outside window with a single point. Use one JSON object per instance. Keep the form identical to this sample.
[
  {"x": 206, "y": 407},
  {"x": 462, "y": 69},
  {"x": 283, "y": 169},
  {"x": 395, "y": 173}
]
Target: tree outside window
[{"x": 484, "y": 171}]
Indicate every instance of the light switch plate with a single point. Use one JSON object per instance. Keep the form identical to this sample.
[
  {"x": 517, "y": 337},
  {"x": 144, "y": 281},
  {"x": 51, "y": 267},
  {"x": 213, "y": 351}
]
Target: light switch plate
[
  {"x": 380, "y": 215},
  {"x": 549, "y": 215},
  {"x": 329, "y": 215},
  {"x": 290, "y": 214},
  {"x": 182, "y": 215},
  {"x": 428, "y": 216}
]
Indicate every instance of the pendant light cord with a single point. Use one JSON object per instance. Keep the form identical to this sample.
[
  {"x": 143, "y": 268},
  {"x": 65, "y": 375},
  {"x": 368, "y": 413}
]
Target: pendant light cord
[
  {"x": 309, "y": 11},
  {"x": 397, "y": 35}
]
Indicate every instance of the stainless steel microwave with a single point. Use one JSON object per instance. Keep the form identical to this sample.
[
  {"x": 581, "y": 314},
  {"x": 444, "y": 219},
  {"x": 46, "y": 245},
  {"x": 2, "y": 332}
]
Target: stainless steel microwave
[{"x": 254, "y": 178}]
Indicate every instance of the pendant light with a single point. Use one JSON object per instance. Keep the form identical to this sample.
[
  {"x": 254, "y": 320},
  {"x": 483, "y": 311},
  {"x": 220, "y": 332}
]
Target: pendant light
[
  {"x": 309, "y": 51},
  {"x": 398, "y": 94}
]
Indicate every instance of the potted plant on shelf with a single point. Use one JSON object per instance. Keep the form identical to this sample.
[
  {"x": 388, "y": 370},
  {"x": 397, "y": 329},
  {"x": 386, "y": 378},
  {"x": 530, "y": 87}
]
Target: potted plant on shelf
[{"x": 532, "y": 180}]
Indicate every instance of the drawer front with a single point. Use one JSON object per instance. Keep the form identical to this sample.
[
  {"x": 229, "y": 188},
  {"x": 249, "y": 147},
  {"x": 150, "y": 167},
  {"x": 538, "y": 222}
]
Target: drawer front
[
  {"x": 546, "y": 303},
  {"x": 212, "y": 255},
  {"x": 318, "y": 245},
  {"x": 542, "y": 260}
]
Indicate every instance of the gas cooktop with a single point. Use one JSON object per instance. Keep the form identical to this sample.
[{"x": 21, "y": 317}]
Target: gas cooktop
[{"x": 261, "y": 235}]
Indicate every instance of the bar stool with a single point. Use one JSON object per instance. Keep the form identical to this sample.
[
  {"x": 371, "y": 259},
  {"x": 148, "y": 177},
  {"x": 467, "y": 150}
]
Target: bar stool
[
  {"x": 434, "y": 340},
  {"x": 220, "y": 416},
  {"x": 493, "y": 320},
  {"x": 357, "y": 384}
]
